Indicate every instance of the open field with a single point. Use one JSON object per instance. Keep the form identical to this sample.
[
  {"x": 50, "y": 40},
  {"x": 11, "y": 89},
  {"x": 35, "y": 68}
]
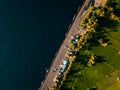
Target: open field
[
  {"x": 115, "y": 86},
  {"x": 110, "y": 83},
  {"x": 105, "y": 73}
]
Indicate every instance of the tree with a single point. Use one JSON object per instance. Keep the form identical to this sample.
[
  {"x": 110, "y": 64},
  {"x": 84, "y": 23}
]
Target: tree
[{"x": 91, "y": 60}]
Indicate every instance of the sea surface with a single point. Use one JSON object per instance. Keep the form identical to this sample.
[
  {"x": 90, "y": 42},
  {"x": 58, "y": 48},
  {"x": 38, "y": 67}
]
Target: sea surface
[{"x": 31, "y": 32}]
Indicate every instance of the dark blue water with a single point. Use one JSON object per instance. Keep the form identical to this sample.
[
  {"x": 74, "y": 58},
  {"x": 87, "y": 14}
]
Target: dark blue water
[{"x": 31, "y": 31}]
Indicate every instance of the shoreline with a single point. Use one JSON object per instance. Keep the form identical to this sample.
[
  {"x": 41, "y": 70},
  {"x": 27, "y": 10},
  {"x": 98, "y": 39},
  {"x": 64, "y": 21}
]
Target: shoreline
[{"x": 60, "y": 54}]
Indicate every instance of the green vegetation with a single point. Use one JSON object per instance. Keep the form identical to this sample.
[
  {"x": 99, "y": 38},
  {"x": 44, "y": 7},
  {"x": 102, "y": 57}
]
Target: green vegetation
[{"x": 97, "y": 62}]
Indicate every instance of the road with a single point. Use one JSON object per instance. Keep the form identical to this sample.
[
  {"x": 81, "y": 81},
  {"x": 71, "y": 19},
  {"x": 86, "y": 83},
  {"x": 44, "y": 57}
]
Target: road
[{"x": 73, "y": 30}]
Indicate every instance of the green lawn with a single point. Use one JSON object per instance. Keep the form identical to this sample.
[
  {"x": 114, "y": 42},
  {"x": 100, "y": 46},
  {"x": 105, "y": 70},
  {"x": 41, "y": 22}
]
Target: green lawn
[
  {"x": 115, "y": 86},
  {"x": 102, "y": 74},
  {"x": 109, "y": 82}
]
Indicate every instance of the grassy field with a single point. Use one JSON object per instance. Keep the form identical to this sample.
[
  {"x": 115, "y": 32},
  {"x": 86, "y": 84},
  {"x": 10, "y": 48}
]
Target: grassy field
[
  {"x": 111, "y": 82},
  {"x": 106, "y": 72}
]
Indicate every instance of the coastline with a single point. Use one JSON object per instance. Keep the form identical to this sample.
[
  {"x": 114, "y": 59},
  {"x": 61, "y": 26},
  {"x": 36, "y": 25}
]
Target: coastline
[
  {"x": 60, "y": 54},
  {"x": 93, "y": 67}
]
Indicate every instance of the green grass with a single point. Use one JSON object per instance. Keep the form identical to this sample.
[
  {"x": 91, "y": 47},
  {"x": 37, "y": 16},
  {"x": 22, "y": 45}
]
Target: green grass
[
  {"x": 102, "y": 74},
  {"x": 109, "y": 81},
  {"x": 115, "y": 86}
]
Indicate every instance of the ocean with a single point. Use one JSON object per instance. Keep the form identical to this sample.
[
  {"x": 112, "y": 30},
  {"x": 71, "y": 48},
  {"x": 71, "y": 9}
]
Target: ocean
[{"x": 31, "y": 32}]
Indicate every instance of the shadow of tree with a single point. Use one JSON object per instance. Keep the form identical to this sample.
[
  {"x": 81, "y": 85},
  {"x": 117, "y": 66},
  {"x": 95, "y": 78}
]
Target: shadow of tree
[
  {"x": 94, "y": 40},
  {"x": 101, "y": 32},
  {"x": 100, "y": 59},
  {"x": 93, "y": 89},
  {"x": 73, "y": 72},
  {"x": 83, "y": 59},
  {"x": 65, "y": 87},
  {"x": 107, "y": 22},
  {"x": 110, "y": 25},
  {"x": 68, "y": 80}
]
